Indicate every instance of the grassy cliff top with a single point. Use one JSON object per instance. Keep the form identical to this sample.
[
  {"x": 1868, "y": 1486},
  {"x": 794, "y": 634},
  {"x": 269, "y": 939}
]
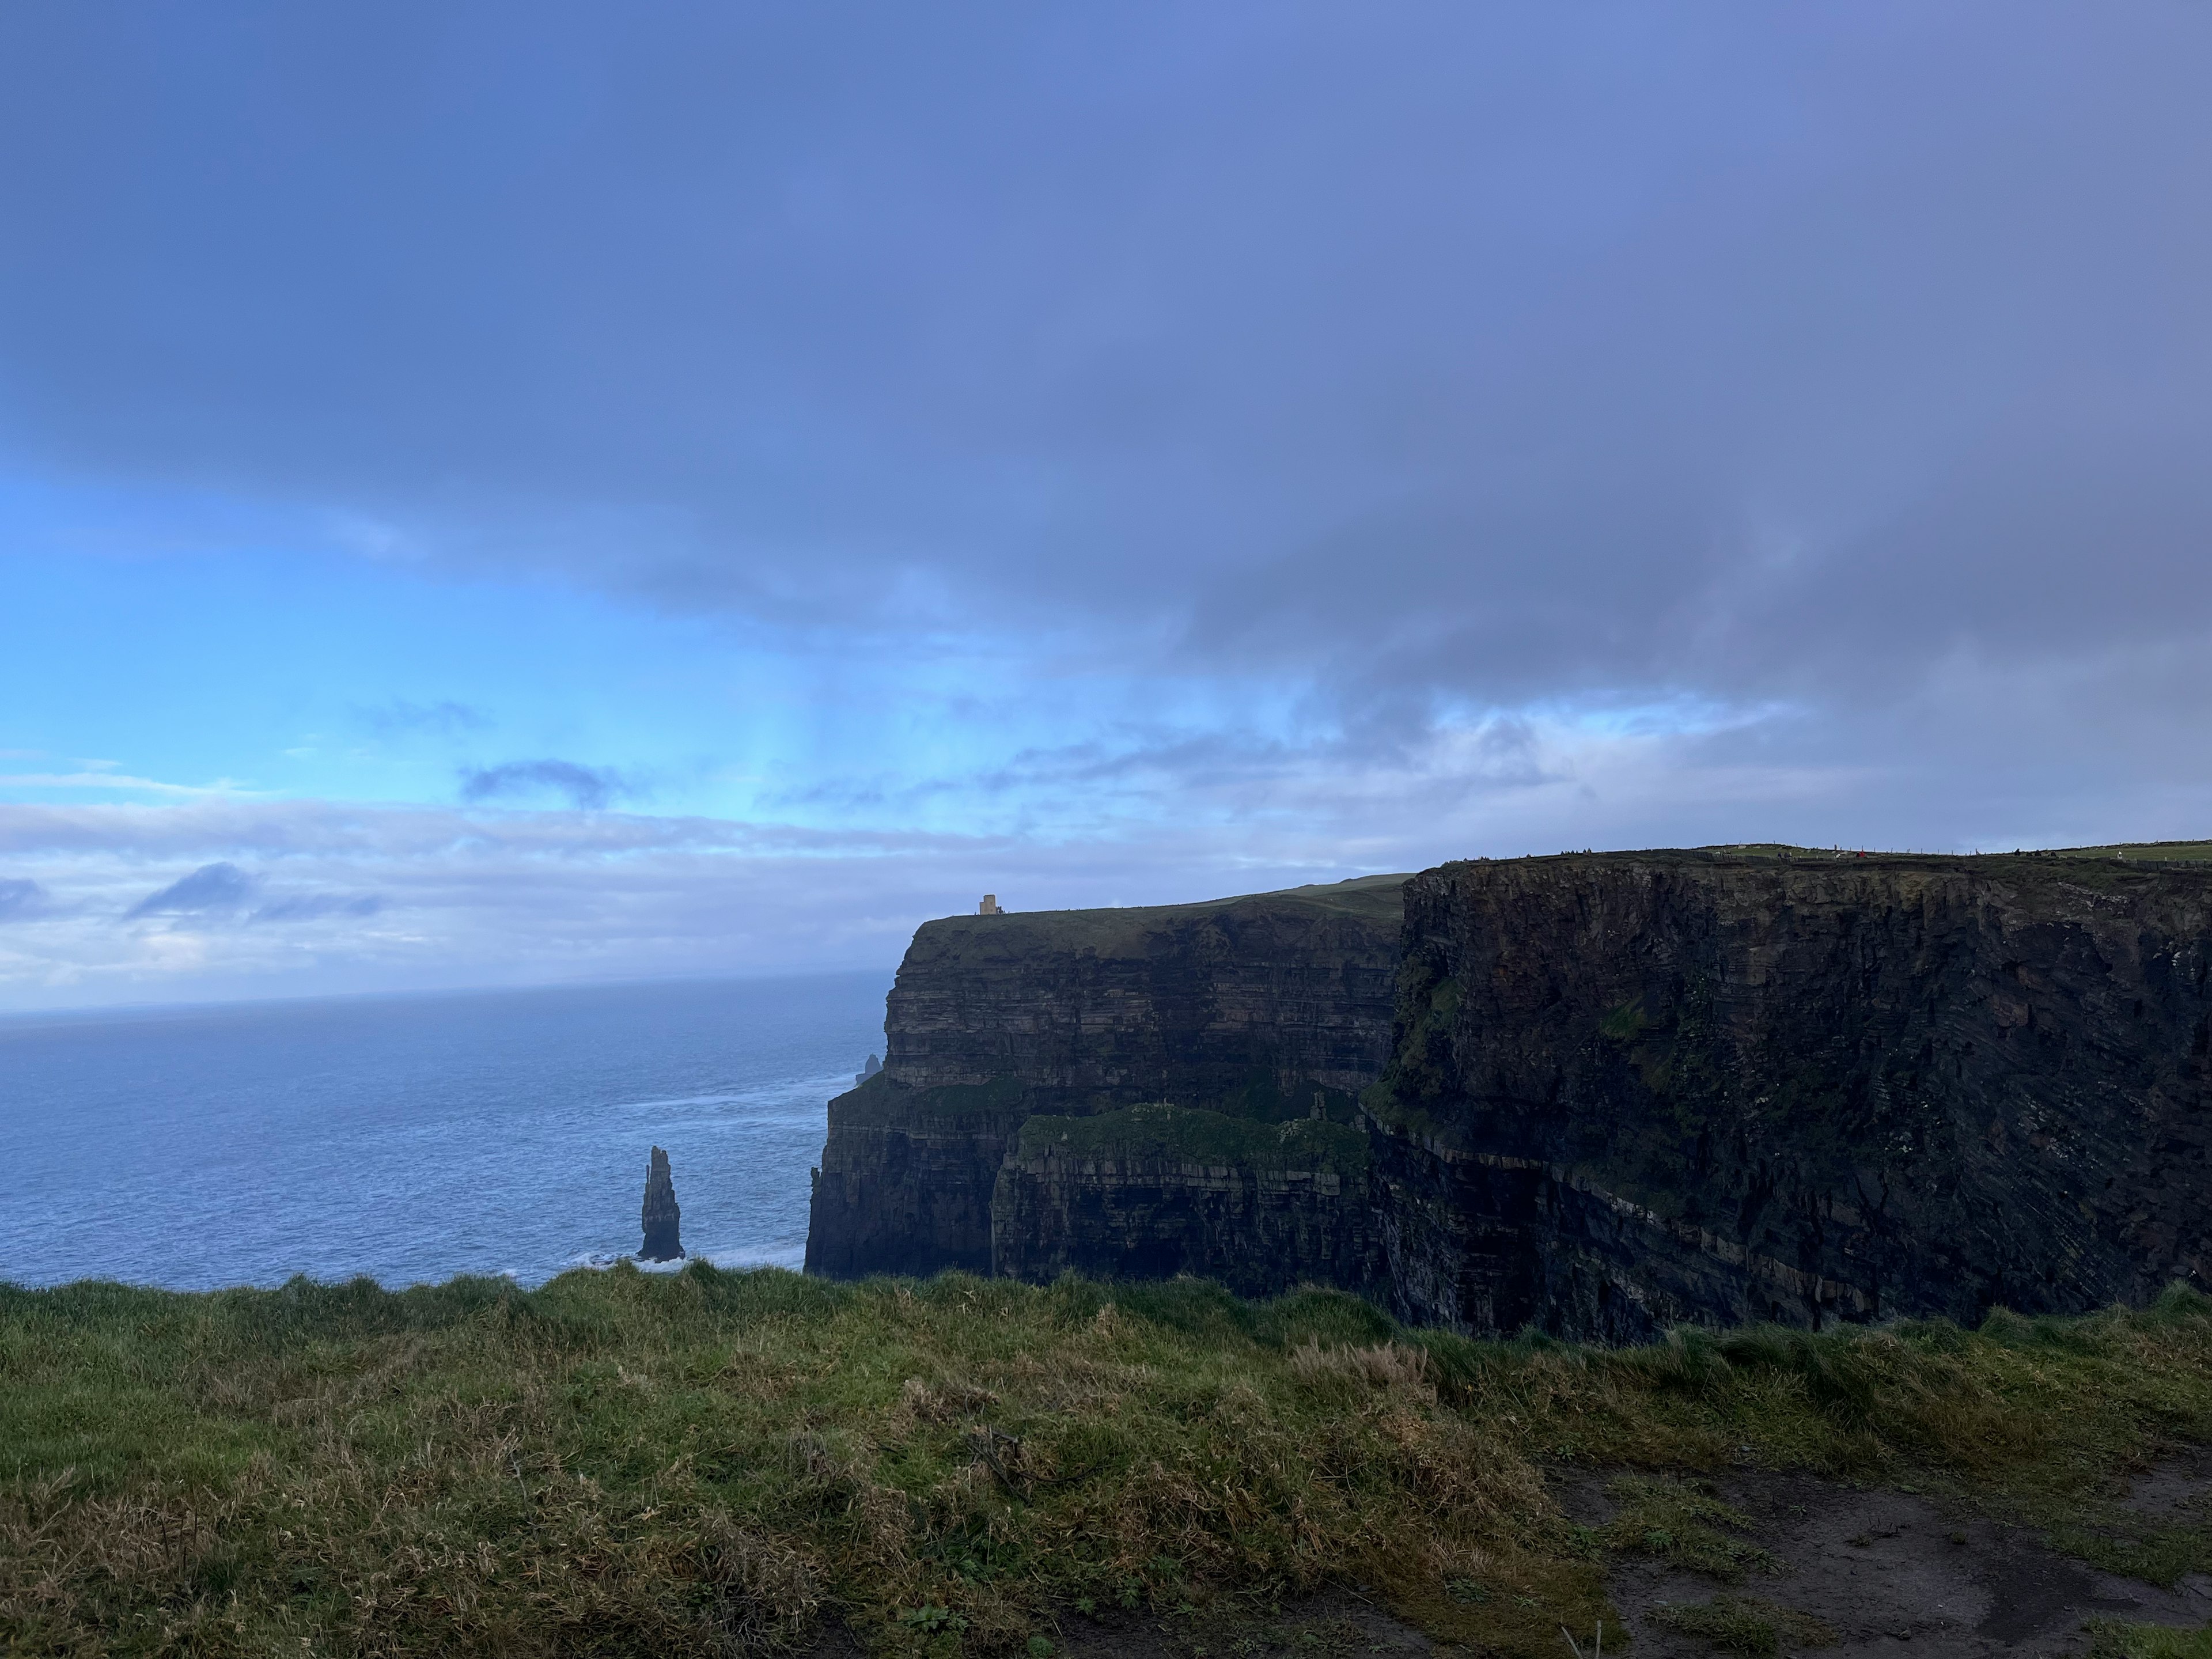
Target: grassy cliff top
[
  {"x": 1379, "y": 901},
  {"x": 711, "y": 1462},
  {"x": 1184, "y": 1135},
  {"x": 1376, "y": 900},
  {"x": 2155, "y": 852},
  {"x": 2180, "y": 866}
]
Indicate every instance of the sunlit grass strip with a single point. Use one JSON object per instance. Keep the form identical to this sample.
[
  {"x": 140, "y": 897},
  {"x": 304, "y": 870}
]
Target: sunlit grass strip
[{"x": 710, "y": 1462}]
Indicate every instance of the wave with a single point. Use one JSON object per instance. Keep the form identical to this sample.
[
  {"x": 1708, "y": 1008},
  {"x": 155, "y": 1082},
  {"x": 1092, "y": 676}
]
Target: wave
[
  {"x": 791, "y": 1257},
  {"x": 807, "y": 1092}
]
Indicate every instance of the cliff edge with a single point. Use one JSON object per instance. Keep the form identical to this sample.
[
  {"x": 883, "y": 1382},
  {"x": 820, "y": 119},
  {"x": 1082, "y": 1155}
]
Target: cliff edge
[
  {"x": 1628, "y": 1091},
  {"x": 1597, "y": 1094},
  {"x": 1259, "y": 1009}
]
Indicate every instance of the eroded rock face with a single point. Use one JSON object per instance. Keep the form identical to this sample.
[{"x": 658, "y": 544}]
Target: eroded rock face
[
  {"x": 1154, "y": 1191},
  {"x": 1632, "y": 1090},
  {"x": 1618, "y": 1091},
  {"x": 1259, "y": 1007},
  {"x": 662, "y": 1242}
]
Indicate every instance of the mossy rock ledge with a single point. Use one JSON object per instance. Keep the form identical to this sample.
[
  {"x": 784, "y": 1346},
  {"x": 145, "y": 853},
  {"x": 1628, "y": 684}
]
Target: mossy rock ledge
[{"x": 1152, "y": 1191}]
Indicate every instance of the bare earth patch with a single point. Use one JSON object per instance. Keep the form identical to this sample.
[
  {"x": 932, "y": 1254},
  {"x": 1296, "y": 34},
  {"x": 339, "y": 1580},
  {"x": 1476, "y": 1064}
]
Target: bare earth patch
[
  {"x": 1842, "y": 1572},
  {"x": 1891, "y": 1574}
]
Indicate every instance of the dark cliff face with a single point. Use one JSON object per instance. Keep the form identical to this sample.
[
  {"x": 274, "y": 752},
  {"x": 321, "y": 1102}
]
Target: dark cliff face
[
  {"x": 1259, "y": 1008},
  {"x": 1253, "y": 1001},
  {"x": 1154, "y": 1191},
  {"x": 1632, "y": 1090},
  {"x": 1619, "y": 1092}
]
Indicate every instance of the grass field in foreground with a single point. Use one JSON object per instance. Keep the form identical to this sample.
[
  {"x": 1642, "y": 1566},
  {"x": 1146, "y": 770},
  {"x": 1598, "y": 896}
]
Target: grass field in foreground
[{"x": 714, "y": 1462}]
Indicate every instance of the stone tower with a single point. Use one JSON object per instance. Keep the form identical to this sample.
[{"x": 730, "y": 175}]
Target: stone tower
[{"x": 661, "y": 1215}]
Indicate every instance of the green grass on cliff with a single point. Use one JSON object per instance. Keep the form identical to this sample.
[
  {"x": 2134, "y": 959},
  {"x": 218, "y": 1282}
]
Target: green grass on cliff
[
  {"x": 716, "y": 1463},
  {"x": 1127, "y": 931}
]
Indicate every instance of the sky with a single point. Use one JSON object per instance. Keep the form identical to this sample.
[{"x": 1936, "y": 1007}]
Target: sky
[{"x": 503, "y": 494}]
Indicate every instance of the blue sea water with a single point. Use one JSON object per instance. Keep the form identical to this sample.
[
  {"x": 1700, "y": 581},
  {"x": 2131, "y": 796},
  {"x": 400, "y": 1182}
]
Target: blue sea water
[{"x": 412, "y": 1137}]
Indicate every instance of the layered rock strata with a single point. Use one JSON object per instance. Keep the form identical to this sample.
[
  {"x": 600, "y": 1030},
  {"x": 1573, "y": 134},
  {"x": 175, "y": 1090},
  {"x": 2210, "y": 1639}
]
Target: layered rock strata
[
  {"x": 1154, "y": 1191},
  {"x": 1608, "y": 1093},
  {"x": 1265, "y": 1008},
  {"x": 1634, "y": 1090}
]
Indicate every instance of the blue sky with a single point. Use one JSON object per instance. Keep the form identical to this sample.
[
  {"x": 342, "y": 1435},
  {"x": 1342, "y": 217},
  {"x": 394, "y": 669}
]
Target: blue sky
[{"x": 495, "y": 494}]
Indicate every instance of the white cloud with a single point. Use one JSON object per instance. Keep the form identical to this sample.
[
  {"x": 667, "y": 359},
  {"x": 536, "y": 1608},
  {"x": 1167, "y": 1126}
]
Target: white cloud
[
  {"x": 317, "y": 896},
  {"x": 324, "y": 897},
  {"x": 95, "y": 777}
]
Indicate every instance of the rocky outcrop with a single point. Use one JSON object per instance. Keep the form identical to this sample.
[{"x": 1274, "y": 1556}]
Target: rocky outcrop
[
  {"x": 1632, "y": 1090},
  {"x": 661, "y": 1217},
  {"x": 1261, "y": 1008}
]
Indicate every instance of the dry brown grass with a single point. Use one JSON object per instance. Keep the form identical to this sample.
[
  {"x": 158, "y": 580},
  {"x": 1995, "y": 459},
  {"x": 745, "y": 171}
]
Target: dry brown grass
[{"x": 713, "y": 1463}]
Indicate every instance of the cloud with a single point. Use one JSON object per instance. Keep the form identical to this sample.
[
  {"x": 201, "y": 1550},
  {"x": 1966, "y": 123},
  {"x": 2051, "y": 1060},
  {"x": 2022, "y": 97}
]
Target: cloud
[
  {"x": 105, "y": 779},
  {"x": 584, "y": 787},
  {"x": 360, "y": 897},
  {"x": 1329, "y": 438},
  {"x": 20, "y": 900},
  {"x": 313, "y": 907},
  {"x": 307, "y": 833},
  {"x": 1511, "y": 355},
  {"x": 213, "y": 888},
  {"x": 444, "y": 719}
]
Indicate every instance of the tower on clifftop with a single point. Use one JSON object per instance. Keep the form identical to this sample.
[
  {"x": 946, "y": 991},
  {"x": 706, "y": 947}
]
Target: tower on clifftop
[{"x": 989, "y": 907}]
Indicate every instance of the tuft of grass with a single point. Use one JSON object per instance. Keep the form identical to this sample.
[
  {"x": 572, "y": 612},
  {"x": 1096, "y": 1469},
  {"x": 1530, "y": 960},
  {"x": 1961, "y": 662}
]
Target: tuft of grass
[
  {"x": 1744, "y": 1624},
  {"x": 2107, "y": 1536},
  {"x": 711, "y": 1462},
  {"x": 1685, "y": 1525},
  {"x": 2109, "y": 1638}
]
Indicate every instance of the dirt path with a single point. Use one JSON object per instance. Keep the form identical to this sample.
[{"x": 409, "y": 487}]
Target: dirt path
[
  {"x": 1880, "y": 1574},
  {"x": 1892, "y": 1576}
]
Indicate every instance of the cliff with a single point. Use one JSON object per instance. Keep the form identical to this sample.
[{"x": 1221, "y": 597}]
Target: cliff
[
  {"x": 1262, "y": 1009},
  {"x": 1606, "y": 1094},
  {"x": 1154, "y": 1191},
  {"x": 1632, "y": 1089},
  {"x": 661, "y": 1218}
]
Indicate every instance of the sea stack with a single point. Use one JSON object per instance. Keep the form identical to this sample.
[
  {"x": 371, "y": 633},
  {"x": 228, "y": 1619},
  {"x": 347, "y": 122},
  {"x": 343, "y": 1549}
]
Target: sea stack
[{"x": 662, "y": 1242}]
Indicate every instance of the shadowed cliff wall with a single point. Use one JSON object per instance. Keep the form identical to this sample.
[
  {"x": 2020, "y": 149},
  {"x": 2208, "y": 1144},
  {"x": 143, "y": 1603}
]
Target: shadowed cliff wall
[
  {"x": 1153, "y": 1191},
  {"x": 1632, "y": 1089},
  {"x": 1618, "y": 1091},
  {"x": 1257, "y": 1008}
]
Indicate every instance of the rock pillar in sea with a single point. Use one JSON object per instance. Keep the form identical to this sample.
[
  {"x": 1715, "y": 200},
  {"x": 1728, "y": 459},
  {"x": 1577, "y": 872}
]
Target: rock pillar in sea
[{"x": 661, "y": 1215}]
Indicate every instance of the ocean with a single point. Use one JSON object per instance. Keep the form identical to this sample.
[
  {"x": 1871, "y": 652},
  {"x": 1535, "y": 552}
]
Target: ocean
[{"x": 412, "y": 1137}]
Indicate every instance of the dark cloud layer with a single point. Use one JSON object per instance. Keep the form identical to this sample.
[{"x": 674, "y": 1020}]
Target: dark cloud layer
[
  {"x": 221, "y": 891},
  {"x": 314, "y": 907},
  {"x": 581, "y": 787},
  {"x": 213, "y": 888},
  {"x": 1853, "y": 362},
  {"x": 20, "y": 899}
]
